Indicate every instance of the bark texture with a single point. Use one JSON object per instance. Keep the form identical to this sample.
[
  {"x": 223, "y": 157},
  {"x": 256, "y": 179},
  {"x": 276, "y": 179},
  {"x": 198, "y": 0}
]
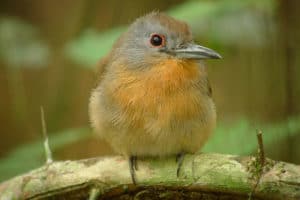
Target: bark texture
[{"x": 203, "y": 176}]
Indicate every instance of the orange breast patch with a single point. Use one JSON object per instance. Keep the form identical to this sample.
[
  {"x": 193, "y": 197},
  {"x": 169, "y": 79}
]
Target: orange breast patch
[{"x": 164, "y": 91}]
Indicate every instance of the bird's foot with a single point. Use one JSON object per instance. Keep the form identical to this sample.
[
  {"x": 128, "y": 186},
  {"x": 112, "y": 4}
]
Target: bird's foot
[
  {"x": 133, "y": 166},
  {"x": 179, "y": 160}
]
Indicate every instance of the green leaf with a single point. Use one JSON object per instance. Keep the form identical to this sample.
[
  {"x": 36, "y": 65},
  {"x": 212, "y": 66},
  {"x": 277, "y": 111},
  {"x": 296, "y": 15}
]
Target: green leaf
[
  {"x": 240, "y": 137},
  {"x": 227, "y": 22},
  {"x": 21, "y": 46},
  {"x": 91, "y": 46},
  {"x": 32, "y": 155}
]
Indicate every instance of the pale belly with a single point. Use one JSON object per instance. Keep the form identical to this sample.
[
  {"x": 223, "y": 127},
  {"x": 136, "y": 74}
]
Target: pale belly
[
  {"x": 164, "y": 127},
  {"x": 163, "y": 110}
]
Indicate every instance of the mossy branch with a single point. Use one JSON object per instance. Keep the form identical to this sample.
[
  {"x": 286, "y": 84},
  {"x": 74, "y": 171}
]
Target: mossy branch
[{"x": 202, "y": 175}]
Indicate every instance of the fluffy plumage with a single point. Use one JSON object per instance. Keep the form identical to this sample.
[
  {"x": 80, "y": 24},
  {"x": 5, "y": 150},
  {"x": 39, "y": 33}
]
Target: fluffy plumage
[{"x": 149, "y": 102}]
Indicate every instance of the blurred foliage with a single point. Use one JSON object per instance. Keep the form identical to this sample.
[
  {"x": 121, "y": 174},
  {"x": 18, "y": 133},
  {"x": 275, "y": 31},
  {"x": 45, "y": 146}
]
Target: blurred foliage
[
  {"x": 31, "y": 155},
  {"x": 227, "y": 22},
  {"x": 238, "y": 139},
  {"x": 20, "y": 45},
  {"x": 91, "y": 46}
]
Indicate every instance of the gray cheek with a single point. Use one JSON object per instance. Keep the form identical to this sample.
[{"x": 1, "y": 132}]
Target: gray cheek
[
  {"x": 172, "y": 42},
  {"x": 132, "y": 48},
  {"x": 139, "y": 53}
]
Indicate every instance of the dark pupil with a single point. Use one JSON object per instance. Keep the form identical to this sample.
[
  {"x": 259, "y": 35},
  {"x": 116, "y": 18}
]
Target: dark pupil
[{"x": 156, "y": 40}]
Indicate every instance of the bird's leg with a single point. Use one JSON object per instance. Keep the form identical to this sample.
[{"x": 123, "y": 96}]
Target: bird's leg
[
  {"x": 179, "y": 160},
  {"x": 134, "y": 162},
  {"x": 133, "y": 167}
]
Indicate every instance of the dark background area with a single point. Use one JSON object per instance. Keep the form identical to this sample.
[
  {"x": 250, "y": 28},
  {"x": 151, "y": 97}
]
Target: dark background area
[{"x": 48, "y": 54}]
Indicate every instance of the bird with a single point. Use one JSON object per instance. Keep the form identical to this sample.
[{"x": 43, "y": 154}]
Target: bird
[{"x": 153, "y": 97}]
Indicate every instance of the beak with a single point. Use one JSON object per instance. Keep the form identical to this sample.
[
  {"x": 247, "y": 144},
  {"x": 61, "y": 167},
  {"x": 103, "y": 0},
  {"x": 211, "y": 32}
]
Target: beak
[{"x": 194, "y": 51}]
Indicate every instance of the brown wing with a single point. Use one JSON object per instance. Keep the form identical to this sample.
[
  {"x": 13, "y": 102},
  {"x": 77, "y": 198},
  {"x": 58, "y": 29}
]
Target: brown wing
[
  {"x": 209, "y": 89},
  {"x": 100, "y": 69},
  {"x": 105, "y": 61}
]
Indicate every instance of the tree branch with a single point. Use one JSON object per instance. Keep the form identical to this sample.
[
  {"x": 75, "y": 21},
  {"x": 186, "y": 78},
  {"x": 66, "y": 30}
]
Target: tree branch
[{"x": 202, "y": 175}]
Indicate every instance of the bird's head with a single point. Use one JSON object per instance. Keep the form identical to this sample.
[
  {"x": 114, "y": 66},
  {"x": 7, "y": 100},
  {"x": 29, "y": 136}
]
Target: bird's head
[{"x": 155, "y": 37}]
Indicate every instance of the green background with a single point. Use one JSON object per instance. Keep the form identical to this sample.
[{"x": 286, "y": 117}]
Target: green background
[{"x": 49, "y": 50}]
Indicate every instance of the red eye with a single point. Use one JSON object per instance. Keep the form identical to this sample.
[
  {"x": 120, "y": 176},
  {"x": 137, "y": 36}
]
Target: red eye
[{"x": 157, "y": 40}]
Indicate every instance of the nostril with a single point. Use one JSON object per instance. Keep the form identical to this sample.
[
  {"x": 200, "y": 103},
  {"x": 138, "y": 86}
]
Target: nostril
[{"x": 180, "y": 46}]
